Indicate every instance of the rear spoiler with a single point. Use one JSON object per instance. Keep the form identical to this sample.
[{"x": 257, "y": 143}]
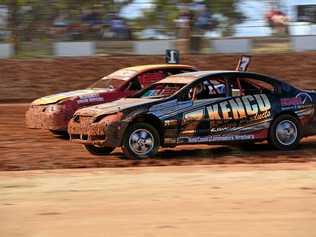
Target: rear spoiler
[{"x": 243, "y": 63}]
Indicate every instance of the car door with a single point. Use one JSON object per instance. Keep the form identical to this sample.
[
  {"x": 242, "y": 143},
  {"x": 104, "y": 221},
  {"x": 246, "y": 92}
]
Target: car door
[
  {"x": 246, "y": 113},
  {"x": 194, "y": 122}
]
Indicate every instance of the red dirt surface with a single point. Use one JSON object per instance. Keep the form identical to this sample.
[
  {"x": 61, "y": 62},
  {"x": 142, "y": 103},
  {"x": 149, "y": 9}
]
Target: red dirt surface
[
  {"x": 255, "y": 198},
  {"x": 276, "y": 200},
  {"x": 25, "y": 80},
  {"x": 27, "y": 149}
]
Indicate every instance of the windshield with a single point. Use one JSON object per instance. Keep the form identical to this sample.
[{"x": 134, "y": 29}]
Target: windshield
[
  {"x": 115, "y": 79},
  {"x": 108, "y": 83},
  {"x": 160, "y": 90}
]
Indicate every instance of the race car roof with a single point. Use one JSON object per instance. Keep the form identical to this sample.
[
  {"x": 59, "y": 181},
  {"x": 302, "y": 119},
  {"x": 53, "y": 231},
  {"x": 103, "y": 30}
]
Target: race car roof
[
  {"x": 188, "y": 77},
  {"x": 142, "y": 68}
]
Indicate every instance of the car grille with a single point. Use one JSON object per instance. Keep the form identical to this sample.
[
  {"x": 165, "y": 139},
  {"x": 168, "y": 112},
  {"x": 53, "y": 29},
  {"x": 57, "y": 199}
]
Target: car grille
[{"x": 84, "y": 123}]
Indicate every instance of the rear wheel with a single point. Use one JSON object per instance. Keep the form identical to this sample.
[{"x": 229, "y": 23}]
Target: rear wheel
[
  {"x": 99, "y": 150},
  {"x": 285, "y": 132},
  {"x": 141, "y": 141}
]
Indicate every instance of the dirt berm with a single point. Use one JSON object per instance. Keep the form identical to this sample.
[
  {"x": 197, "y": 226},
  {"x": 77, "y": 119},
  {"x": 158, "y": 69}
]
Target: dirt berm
[{"x": 24, "y": 80}]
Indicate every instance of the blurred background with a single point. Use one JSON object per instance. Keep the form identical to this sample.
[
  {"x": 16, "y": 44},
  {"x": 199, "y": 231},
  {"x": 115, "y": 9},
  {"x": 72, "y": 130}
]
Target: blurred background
[{"x": 46, "y": 28}]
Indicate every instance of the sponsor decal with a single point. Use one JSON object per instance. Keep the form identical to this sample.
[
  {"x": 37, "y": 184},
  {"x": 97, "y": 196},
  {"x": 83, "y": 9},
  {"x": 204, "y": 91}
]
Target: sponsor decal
[
  {"x": 305, "y": 98},
  {"x": 194, "y": 115},
  {"x": 255, "y": 106},
  {"x": 305, "y": 112},
  {"x": 61, "y": 96},
  {"x": 301, "y": 100},
  {"x": 215, "y": 138},
  {"x": 291, "y": 101},
  {"x": 219, "y": 129},
  {"x": 231, "y": 115},
  {"x": 170, "y": 123},
  {"x": 242, "y": 126},
  {"x": 92, "y": 98}
]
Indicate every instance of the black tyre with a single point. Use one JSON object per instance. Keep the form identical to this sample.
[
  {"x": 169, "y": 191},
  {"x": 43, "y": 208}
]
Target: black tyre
[
  {"x": 99, "y": 150},
  {"x": 247, "y": 145},
  {"x": 285, "y": 132},
  {"x": 140, "y": 141},
  {"x": 61, "y": 134}
]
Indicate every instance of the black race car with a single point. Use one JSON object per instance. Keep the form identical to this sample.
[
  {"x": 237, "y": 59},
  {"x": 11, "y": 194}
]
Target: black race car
[{"x": 199, "y": 107}]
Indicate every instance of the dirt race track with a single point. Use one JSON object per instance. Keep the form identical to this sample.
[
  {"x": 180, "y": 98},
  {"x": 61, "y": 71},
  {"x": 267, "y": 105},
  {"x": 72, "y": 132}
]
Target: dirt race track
[
  {"x": 25, "y": 149},
  {"x": 202, "y": 190},
  {"x": 276, "y": 200},
  {"x": 187, "y": 191}
]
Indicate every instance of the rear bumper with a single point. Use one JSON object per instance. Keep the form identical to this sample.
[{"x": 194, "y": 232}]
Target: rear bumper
[
  {"x": 309, "y": 128},
  {"x": 38, "y": 117}
]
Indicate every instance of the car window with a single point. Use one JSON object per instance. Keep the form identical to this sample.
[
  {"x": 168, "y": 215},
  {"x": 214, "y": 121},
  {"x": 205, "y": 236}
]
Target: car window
[
  {"x": 108, "y": 83},
  {"x": 160, "y": 90},
  {"x": 250, "y": 86},
  {"x": 134, "y": 85},
  {"x": 150, "y": 77},
  {"x": 208, "y": 89}
]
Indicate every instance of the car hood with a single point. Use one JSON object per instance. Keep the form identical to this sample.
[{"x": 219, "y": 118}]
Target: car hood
[
  {"x": 52, "y": 99},
  {"x": 113, "y": 107}
]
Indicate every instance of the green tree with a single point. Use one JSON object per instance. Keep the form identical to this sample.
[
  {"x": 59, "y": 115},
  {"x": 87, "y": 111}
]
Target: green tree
[
  {"x": 229, "y": 9},
  {"x": 42, "y": 13},
  {"x": 164, "y": 12}
]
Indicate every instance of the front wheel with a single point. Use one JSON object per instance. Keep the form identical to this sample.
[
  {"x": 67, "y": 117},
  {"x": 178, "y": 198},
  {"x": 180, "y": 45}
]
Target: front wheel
[
  {"x": 60, "y": 133},
  {"x": 141, "y": 140},
  {"x": 99, "y": 150},
  {"x": 285, "y": 132}
]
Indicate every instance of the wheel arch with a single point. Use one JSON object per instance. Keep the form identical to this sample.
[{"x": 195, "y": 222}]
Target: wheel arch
[
  {"x": 272, "y": 137},
  {"x": 151, "y": 120},
  {"x": 286, "y": 112}
]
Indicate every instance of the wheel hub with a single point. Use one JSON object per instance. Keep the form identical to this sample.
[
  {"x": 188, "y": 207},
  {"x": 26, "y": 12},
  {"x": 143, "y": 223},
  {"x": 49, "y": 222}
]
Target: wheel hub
[
  {"x": 286, "y": 132},
  {"x": 141, "y": 141}
]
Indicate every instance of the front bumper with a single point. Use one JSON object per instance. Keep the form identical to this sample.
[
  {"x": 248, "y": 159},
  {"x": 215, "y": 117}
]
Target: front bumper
[
  {"x": 101, "y": 134},
  {"x": 38, "y": 117}
]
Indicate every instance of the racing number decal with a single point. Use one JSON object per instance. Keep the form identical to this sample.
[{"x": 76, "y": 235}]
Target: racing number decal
[
  {"x": 172, "y": 56},
  {"x": 243, "y": 63}
]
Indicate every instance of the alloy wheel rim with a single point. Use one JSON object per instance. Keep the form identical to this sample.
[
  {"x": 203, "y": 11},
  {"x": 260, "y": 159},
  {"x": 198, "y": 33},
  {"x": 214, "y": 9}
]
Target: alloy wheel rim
[
  {"x": 286, "y": 132},
  {"x": 141, "y": 141}
]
